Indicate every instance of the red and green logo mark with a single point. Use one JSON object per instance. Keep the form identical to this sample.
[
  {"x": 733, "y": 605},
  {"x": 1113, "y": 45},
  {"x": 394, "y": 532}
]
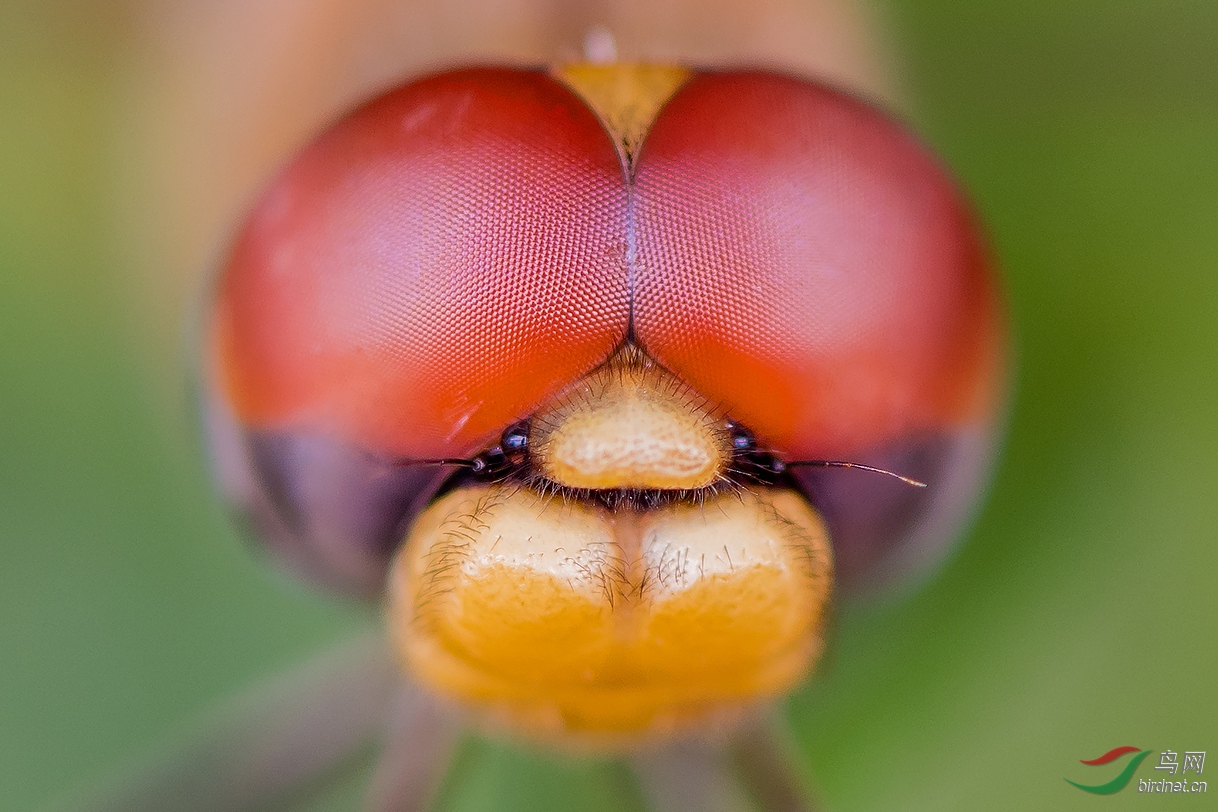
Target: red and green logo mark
[{"x": 1117, "y": 784}]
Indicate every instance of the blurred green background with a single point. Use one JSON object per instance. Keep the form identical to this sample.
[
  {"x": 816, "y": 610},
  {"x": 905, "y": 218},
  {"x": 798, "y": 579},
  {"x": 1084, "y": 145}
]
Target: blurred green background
[{"x": 1081, "y": 614}]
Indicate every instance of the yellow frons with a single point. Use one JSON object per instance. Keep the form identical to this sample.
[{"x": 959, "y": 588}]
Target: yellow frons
[{"x": 631, "y": 424}]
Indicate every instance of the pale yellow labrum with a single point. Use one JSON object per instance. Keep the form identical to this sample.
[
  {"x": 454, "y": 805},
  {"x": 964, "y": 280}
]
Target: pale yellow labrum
[{"x": 567, "y": 621}]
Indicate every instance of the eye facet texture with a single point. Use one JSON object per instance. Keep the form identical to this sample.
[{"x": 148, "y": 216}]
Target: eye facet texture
[
  {"x": 431, "y": 269},
  {"x": 805, "y": 264},
  {"x": 458, "y": 252}
]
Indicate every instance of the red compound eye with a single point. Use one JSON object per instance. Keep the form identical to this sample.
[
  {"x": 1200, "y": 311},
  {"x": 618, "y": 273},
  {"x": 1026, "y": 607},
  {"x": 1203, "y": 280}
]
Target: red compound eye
[
  {"x": 457, "y": 252},
  {"x": 803, "y": 262},
  {"x": 430, "y": 269}
]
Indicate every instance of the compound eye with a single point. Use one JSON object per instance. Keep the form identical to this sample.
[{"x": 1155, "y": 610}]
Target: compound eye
[
  {"x": 430, "y": 270},
  {"x": 803, "y": 262}
]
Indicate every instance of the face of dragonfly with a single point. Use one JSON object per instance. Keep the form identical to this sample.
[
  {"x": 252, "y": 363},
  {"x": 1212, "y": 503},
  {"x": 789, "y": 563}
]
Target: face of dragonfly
[{"x": 545, "y": 356}]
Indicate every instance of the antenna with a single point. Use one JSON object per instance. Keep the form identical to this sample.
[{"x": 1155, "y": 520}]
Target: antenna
[
  {"x": 460, "y": 462},
  {"x": 842, "y": 464}
]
